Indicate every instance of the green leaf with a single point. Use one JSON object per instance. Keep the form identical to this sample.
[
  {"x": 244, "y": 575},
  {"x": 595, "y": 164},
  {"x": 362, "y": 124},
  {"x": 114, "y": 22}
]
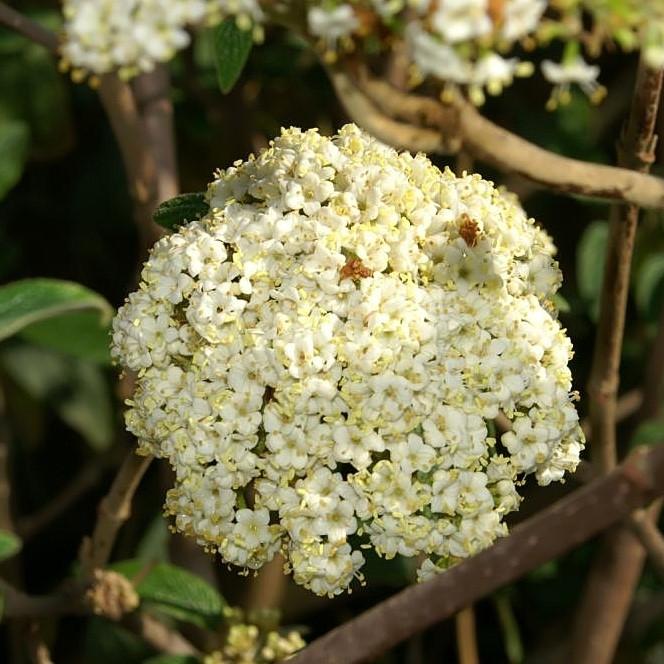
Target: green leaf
[
  {"x": 81, "y": 334},
  {"x": 510, "y": 628},
  {"x": 108, "y": 643},
  {"x": 10, "y": 545},
  {"x": 650, "y": 432},
  {"x": 14, "y": 143},
  {"x": 180, "y": 210},
  {"x": 174, "y": 591},
  {"x": 649, "y": 292},
  {"x": 232, "y": 46},
  {"x": 172, "y": 659},
  {"x": 590, "y": 259},
  {"x": 77, "y": 390},
  {"x": 29, "y": 301}
]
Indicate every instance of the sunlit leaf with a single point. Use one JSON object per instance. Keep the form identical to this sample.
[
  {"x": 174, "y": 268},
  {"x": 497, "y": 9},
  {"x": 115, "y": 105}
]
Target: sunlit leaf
[{"x": 29, "y": 301}]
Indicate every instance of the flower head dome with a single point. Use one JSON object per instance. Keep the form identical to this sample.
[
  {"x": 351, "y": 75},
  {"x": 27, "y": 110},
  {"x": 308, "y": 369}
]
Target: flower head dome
[{"x": 321, "y": 358}]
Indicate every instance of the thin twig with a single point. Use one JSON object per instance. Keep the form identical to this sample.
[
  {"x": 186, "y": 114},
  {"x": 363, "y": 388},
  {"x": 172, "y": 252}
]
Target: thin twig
[
  {"x": 114, "y": 510},
  {"x": 552, "y": 532},
  {"x": 651, "y": 538},
  {"x": 37, "y": 648},
  {"x": 635, "y": 150},
  {"x": 617, "y": 567},
  {"x": 466, "y": 636}
]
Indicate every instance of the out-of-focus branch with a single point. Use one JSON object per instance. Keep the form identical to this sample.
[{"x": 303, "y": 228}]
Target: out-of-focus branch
[
  {"x": 28, "y": 28},
  {"x": 140, "y": 165},
  {"x": 362, "y": 111},
  {"x": 158, "y": 635},
  {"x": 617, "y": 568},
  {"x": 635, "y": 150},
  {"x": 422, "y": 123},
  {"x": 152, "y": 93},
  {"x": 18, "y": 604},
  {"x": 466, "y": 636},
  {"x": 114, "y": 510},
  {"x": 37, "y": 649},
  {"x": 652, "y": 540},
  {"x": 552, "y": 532}
]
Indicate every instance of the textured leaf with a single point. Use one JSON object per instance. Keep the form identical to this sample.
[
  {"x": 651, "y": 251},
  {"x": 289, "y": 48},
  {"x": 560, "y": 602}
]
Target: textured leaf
[
  {"x": 649, "y": 293},
  {"x": 232, "y": 46},
  {"x": 174, "y": 591},
  {"x": 590, "y": 258},
  {"x": 14, "y": 143},
  {"x": 10, "y": 545},
  {"x": 32, "y": 300},
  {"x": 180, "y": 210},
  {"x": 77, "y": 390}
]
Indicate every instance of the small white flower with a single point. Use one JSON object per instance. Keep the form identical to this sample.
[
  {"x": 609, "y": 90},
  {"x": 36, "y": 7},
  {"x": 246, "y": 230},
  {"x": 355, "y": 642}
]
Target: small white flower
[
  {"x": 459, "y": 20},
  {"x": 332, "y": 24},
  {"x": 573, "y": 71}
]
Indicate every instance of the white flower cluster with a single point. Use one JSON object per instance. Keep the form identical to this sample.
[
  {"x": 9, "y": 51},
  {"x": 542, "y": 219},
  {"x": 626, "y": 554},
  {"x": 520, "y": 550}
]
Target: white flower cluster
[
  {"x": 322, "y": 356},
  {"x": 133, "y": 35}
]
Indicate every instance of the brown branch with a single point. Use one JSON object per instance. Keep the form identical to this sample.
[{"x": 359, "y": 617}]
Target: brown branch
[
  {"x": 24, "y": 26},
  {"x": 37, "y": 649},
  {"x": 552, "y": 532},
  {"x": 114, "y": 510},
  {"x": 617, "y": 568},
  {"x": 635, "y": 150},
  {"x": 363, "y": 112},
  {"x": 152, "y": 93},
  {"x": 17, "y": 604},
  {"x": 652, "y": 540},
  {"x": 466, "y": 636},
  {"x": 140, "y": 166},
  {"x": 407, "y": 120}
]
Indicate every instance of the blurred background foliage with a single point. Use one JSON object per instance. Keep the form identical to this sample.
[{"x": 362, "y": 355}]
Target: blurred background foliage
[{"x": 65, "y": 214}]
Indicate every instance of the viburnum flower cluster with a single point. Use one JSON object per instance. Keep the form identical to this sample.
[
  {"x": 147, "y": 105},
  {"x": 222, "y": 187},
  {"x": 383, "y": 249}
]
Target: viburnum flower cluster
[
  {"x": 321, "y": 359},
  {"x": 131, "y": 36},
  {"x": 471, "y": 43}
]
